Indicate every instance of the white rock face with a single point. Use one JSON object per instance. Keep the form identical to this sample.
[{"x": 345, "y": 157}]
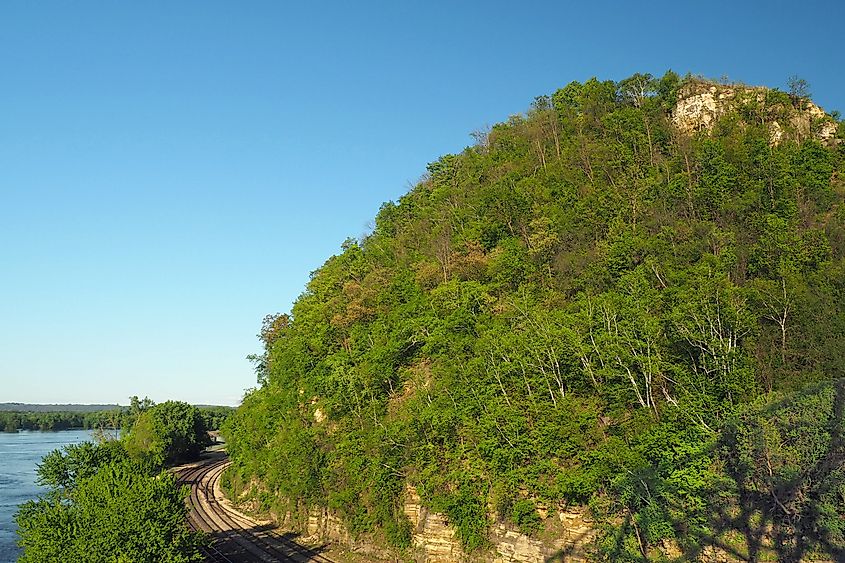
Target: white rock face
[
  {"x": 700, "y": 105},
  {"x": 698, "y": 111},
  {"x": 827, "y": 134},
  {"x": 775, "y": 133}
]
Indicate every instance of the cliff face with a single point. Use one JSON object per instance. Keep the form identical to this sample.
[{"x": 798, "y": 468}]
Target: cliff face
[
  {"x": 701, "y": 104},
  {"x": 434, "y": 539},
  {"x": 568, "y": 536}
]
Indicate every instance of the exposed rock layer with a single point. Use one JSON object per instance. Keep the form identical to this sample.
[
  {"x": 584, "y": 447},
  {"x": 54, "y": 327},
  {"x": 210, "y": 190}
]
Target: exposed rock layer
[
  {"x": 434, "y": 540},
  {"x": 701, "y": 104}
]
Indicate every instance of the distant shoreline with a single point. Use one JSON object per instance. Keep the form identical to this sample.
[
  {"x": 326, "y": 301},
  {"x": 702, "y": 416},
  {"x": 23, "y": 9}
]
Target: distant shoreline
[
  {"x": 68, "y": 429},
  {"x": 76, "y": 407},
  {"x": 56, "y": 407}
]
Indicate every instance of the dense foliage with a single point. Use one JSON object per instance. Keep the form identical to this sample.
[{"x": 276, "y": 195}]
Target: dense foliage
[
  {"x": 167, "y": 434},
  {"x": 112, "y": 501},
  {"x": 214, "y": 417},
  {"x": 103, "y": 505},
  {"x": 576, "y": 310}
]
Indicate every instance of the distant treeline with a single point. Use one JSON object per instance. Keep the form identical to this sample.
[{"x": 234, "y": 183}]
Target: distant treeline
[
  {"x": 11, "y": 421},
  {"x": 69, "y": 407},
  {"x": 116, "y": 418}
]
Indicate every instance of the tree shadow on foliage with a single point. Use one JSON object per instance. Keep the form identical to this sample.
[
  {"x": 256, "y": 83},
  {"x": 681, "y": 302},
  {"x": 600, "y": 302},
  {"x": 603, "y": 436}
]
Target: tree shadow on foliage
[{"x": 779, "y": 515}]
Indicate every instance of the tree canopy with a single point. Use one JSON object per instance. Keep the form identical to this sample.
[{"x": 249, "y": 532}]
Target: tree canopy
[
  {"x": 168, "y": 433},
  {"x": 114, "y": 500},
  {"x": 103, "y": 505}
]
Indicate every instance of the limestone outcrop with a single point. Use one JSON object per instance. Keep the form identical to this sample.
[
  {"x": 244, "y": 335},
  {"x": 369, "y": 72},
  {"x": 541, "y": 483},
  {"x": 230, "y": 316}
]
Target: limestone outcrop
[
  {"x": 701, "y": 104},
  {"x": 434, "y": 541},
  {"x": 568, "y": 535}
]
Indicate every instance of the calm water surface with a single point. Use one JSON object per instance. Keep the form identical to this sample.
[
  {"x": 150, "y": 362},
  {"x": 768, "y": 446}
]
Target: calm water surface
[{"x": 19, "y": 454}]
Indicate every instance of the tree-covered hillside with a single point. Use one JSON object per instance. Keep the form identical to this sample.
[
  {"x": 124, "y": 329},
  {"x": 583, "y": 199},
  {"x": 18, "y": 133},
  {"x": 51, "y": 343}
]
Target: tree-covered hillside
[{"x": 588, "y": 306}]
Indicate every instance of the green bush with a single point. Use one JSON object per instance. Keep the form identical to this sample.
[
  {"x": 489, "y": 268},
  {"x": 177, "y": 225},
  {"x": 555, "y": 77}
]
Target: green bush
[{"x": 524, "y": 514}]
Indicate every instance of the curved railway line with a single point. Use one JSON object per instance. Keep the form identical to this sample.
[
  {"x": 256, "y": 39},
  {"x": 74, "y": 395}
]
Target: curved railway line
[{"x": 236, "y": 537}]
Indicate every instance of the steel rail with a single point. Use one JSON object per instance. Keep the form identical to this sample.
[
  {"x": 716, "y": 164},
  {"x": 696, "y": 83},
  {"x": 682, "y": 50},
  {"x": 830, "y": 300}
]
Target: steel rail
[
  {"x": 208, "y": 515},
  {"x": 197, "y": 519}
]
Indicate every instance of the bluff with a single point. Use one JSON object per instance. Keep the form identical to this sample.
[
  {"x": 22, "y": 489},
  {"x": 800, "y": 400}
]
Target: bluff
[{"x": 611, "y": 329}]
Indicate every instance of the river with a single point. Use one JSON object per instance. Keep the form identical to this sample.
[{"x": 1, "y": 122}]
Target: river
[{"x": 19, "y": 454}]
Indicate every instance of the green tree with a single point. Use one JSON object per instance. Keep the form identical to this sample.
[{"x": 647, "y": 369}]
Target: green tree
[
  {"x": 64, "y": 469},
  {"x": 168, "y": 433},
  {"x": 118, "y": 513},
  {"x": 637, "y": 88}
]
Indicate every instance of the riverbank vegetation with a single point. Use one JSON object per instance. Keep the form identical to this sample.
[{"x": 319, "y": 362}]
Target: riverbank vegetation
[
  {"x": 587, "y": 307},
  {"x": 114, "y": 500}
]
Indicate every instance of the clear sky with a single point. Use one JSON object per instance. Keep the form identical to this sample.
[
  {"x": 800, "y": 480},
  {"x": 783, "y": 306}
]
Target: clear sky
[{"x": 170, "y": 172}]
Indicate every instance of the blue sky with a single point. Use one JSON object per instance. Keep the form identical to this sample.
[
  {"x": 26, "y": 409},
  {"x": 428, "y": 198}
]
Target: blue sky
[{"x": 170, "y": 172}]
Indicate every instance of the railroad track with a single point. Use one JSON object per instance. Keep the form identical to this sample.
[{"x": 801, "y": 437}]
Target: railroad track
[{"x": 236, "y": 537}]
